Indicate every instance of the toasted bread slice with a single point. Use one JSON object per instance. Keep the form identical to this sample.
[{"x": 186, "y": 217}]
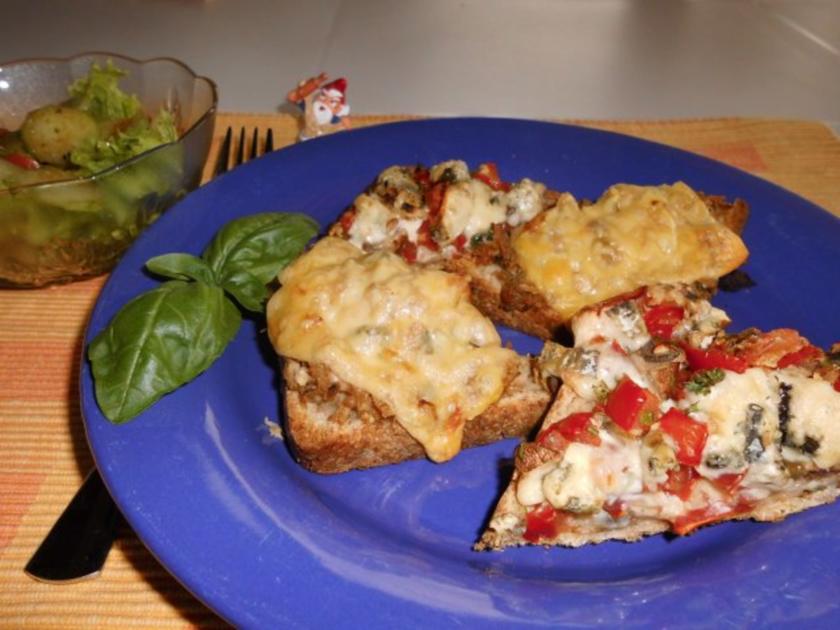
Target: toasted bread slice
[
  {"x": 534, "y": 256},
  {"x": 334, "y": 427}
]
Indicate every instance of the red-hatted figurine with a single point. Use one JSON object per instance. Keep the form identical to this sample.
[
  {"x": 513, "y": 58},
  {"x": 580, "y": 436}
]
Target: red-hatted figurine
[{"x": 324, "y": 105}]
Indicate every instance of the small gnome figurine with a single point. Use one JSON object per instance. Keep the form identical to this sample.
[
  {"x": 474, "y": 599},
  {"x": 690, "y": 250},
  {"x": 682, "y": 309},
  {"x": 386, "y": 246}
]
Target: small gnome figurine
[{"x": 324, "y": 105}]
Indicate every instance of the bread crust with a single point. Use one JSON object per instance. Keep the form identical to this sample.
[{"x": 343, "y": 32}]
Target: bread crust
[
  {"x": 330, "y": 436},
  {"x": 772, "y": 509}
]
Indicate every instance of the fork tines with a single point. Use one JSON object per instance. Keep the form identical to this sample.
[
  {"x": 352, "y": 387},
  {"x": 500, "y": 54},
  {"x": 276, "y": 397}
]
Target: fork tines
[{"x": 223, "y": 160}]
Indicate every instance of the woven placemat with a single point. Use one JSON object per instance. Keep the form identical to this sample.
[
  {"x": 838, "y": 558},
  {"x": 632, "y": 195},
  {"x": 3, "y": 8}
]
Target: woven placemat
[{"x": 43, "y": 452}]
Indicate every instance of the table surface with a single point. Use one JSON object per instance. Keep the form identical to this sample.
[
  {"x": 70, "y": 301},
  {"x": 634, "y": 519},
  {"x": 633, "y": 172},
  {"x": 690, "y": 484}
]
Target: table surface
[
  {"x": 43, "y": 452},
  {"x": 524, "y": 58}
]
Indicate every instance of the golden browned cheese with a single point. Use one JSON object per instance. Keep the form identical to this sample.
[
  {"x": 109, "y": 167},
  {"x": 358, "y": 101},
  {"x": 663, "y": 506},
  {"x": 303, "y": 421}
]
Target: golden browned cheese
[
  {"x": 631, "y": 237},
  {"x": 406, "y": 335}
]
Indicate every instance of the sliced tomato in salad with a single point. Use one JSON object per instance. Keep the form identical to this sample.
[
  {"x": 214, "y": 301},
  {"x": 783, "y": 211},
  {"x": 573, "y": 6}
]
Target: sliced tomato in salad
[{"x": 22, "y": 160}]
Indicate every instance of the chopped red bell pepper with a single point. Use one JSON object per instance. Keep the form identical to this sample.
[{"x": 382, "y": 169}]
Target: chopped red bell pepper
[
  {"x": 800, "y": 356},
  {"x": 460, "y": 242},
  {"x": 22, "y": 160},
  {"x": 662, "y": 319},
  {"x": 408, "y": 251},
  {"x": 425, "y": 238},
  {"x": 729, "y": 483},
  {"x": 616, "y": 509},
  {"x": 421, "y": 176},
  {"x": 713, "y": 358},
  {"x": 347, "y": 219},
  {"x": 489, "y": 174},
  {"x": 577, "y": 427},
  {"x": 689, "y": 435},
  {"x": 632, "y": 407},
  {"x": 434, "y": 198},
  {"x": 680, "y": 482},
  {"x": 693, "y": 519},
  {"x": 837, "y": 384},
  {"x": 542, "y": 522}
]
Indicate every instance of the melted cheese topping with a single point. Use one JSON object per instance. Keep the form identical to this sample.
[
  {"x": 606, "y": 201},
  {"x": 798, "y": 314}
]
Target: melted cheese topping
[
  {"x": 814, "y": 413},
  {"x": 633, "y": 236},
  {"x": 471, "y": 207},
  {"x": 725, "y": 410},
  {"x": 408, "y": 336}
]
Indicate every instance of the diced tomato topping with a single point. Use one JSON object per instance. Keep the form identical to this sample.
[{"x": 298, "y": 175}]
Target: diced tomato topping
[
  {"x": 577, "y": 427},
  {"x": 662, "y": 319},
  {"x": 623, "y": 297},
  {"x": 689, "y": 435},
  {"x": 347, "y": 219},
  {"x": 632, "y": 407},
  {"x": 421, "y": 176},
  {"x": 22, "y": 160},
  {"x": 425, "y": 238},
  {"x": 800, "y": 356},
  {"x": 542, "y": 522},
  {"x": 460, "y": 242},
  {"x": 616, "y": 509},
  {"x": 837, "y": 384},
  {"x": 729, "y": 483},
  {"x": 408, "y": 251},
  {"x": 690, "y": 521},
  {"x": 766, "y": 348},
  {"x": 713, "y": 358},
  {"x": 680, "y": 482},
  {"x": 489, "y": 174},
  {"x": 434, "y": 198}
]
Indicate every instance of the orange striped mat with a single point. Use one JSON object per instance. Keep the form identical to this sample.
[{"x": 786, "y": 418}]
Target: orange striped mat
[{"x": 43, "y": 453}]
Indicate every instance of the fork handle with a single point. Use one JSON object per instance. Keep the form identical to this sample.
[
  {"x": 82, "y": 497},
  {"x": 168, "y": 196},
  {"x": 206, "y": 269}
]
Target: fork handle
[{"x": 78, "y": 544}]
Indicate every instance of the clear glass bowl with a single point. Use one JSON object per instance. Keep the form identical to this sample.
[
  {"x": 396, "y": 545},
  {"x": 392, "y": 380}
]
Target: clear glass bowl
[{"x": 61, "y": 231}]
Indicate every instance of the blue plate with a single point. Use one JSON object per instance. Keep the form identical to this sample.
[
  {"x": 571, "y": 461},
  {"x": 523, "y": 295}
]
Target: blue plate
[{"x": 265, "y": 544}]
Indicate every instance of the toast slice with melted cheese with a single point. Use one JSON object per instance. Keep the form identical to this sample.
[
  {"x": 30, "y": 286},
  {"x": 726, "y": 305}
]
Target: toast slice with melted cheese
[
  {"x": 385, "y": 361},
  {"x": 534, "y": 257},
  {"x": 664, "y": 423}
]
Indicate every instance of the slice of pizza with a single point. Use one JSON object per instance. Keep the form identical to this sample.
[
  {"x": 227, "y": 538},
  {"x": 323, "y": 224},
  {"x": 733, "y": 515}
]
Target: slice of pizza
[
  {"x": 664, "y": 423},
  {"x": 534, "y": 257}
]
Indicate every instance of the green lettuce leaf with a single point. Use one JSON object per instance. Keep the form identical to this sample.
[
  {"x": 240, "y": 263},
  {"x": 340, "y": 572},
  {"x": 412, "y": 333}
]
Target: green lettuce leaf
[
  {"x": 99, "y": 94},
  {"x": 98, "y": 154}
]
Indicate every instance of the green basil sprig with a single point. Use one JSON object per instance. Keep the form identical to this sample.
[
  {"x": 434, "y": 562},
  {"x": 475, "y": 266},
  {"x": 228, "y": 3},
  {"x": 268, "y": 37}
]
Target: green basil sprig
[{"x": 166, "y": 337}]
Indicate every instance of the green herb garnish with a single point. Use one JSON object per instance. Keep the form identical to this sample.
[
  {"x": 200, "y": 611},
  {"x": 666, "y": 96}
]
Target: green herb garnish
[
  {"x": 702, "y": 382},
  {"x": 647, "y": 418},
  {"x": 166, "y": 337},
  {"x": 478, "y": 239}
]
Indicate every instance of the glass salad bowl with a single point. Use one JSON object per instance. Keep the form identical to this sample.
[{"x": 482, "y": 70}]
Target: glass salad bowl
[{"x": 56, "y": 227}]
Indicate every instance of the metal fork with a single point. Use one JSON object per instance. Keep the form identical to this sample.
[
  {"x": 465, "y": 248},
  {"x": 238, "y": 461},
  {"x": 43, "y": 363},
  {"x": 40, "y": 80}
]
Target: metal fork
[
  {"x": 78, "y": 544},
  {"x": 226, "y": 151}
]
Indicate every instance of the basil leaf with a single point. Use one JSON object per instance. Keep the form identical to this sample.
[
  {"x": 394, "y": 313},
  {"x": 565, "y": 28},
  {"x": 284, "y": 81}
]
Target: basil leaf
[
  {"x": 249, "y": 291},
  {"x": 259, "y": 244},
  {"x": 157, "y": 342},
  {"x": 181, "y": 267}
]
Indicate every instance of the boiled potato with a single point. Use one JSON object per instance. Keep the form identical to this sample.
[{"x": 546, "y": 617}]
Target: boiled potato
[{"x": 52, "y": 132}]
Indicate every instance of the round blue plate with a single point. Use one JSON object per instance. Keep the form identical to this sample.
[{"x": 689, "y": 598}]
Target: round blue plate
[{"x": 265, "y": 544}]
